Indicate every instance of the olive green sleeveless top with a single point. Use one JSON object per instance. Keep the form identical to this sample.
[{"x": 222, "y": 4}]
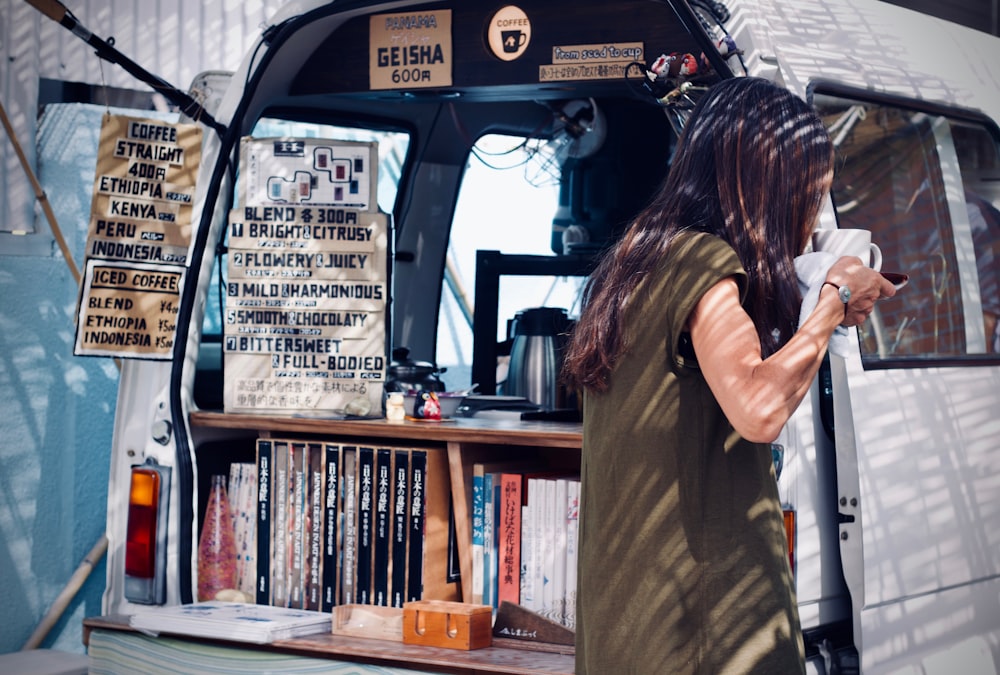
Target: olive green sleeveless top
[{"x": 683, "y": 563}]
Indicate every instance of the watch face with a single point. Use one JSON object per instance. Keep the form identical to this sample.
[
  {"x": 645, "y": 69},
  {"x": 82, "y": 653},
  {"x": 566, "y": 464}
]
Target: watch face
[{"x": 845, "y": 294}]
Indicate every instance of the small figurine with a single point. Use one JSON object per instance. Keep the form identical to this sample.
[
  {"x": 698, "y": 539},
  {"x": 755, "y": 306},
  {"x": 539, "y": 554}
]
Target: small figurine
[
  {"x": 426, "y": 406},
  {"x": 674, "y": 65},
  {"x": 394, "y": 410}
]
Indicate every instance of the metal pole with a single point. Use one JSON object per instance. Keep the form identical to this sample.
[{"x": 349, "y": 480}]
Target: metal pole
[{"x": 56, "y": 11}]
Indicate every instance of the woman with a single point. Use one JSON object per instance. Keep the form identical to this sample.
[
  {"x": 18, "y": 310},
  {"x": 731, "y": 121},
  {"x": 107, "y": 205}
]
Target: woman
[{"x": 691, "y": 361}]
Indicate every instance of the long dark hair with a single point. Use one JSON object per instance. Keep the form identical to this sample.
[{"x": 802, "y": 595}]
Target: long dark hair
[{"x": 752, "y": 167}]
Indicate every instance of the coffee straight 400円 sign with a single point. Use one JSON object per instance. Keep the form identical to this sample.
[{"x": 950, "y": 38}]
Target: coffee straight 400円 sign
[
  {"x": 138, "y": 238},
  {"x": 307, "y": 280}
]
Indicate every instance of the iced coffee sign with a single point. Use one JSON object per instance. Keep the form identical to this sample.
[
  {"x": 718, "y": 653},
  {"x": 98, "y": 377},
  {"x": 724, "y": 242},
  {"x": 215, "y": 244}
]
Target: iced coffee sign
[
  {"x": 306, "y": 290},
  {"x": 138, "y": 237},
  {"x": 128, "y": 310}
]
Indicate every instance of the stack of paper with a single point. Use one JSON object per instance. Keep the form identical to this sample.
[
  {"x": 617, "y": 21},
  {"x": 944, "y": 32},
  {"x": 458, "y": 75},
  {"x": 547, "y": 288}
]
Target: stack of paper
[{"x": 232, "y": 621}]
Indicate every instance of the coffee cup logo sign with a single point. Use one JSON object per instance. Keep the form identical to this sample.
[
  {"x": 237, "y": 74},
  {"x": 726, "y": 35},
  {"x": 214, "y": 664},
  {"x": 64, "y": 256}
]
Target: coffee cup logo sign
[{"x": 509, "y": 33}]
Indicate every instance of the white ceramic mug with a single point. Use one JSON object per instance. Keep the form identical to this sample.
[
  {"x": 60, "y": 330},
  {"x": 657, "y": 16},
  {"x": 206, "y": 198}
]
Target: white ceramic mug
[{"x": 849, "y": 242}]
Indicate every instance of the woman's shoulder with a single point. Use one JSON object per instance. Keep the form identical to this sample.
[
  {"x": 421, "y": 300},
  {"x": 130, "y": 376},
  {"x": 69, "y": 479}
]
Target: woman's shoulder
[{"x": 703, "y": 250}]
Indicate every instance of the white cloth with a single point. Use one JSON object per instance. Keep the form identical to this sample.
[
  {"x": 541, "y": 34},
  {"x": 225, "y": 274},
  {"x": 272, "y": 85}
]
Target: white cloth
[{"x": 811, "y": 269}]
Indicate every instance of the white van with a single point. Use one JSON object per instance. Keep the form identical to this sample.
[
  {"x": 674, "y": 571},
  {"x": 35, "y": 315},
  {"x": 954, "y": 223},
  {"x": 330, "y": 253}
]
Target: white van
[{"x": 890, "y": 470}]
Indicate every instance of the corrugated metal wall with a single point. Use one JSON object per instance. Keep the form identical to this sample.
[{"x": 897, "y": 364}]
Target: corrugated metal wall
[{"x": 174, "y": 39}]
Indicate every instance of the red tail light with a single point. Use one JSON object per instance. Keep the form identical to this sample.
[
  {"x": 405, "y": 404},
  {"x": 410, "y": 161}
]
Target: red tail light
[
  {"x": 146, "y": 535},
  {"x": 790, "y": 535},
  {"x": 140, "y": 541}
]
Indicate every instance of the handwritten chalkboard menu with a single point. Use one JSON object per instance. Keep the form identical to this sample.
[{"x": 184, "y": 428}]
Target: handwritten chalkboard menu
[
  {"x": 138, "y": 238},
  {"x": 307, "y": 280}
]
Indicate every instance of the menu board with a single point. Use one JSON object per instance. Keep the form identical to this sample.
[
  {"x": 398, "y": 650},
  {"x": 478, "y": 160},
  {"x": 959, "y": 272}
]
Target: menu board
[
  {"x": 307, "y": 284},
  {"x": 138, "y": 237}
]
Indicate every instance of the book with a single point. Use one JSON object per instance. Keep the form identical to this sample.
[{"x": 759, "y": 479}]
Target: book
[
  {"x": 509, "y": 539},
  {"x": 331, "y": 516},
  {"x": 572, "y": 544},
  {"x": 383, "y": 502},
  {"x": 350, "y": 539},
  {"x": 558, "y": 525},
  {"x": 296, "y": 523},
  {"x": 313, "y": 582},
  {"x": 478, "y": 532},
  {"x": 491, "y": 538},
  {"x": 366, "y": 484},
  {"x": 243, "y": 485},
  {"x": 415, "y": 555},
  {"x": 262, "y": 587},
  {"x": 483, "y": 527},
  {"x": 527, "y": 556},
  {"x": 537, "y": 543},
  {"x": 279, "y": 524},
  {"x": 243, "y": 622},
  {"x": 401, "y": 497}
]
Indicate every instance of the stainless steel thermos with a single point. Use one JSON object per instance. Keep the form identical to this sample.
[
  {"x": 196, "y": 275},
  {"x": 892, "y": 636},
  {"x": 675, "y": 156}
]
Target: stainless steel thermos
[{"x": 539, "y": 337}]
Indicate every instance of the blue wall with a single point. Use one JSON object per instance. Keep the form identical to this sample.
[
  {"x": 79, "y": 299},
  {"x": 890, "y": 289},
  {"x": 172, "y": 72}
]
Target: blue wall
[{"x": 58, "y": 410}]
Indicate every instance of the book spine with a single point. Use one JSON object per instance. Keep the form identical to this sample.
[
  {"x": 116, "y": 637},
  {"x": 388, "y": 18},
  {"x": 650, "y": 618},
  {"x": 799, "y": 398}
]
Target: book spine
[
  {"x": 401, "y": 496},
  {"x": 349, "y": 508},
  {"x": 572, "y": 550},
  {"x": 478, "y": 532},
  {"x": 366, "y": 483},
  {"x": 415, "y": 558},
  {"x": 331, "y": 544},
  {"x": 296, "y": 525},
  {"x": 561, "y": 488},
  {"x": 263, "y": 573},
  {"x": 279, "y": 524},
  {"x": 383, "y": 502},
  {"x": 314, "y": 567},
  {"x": 489, "y": 538},
  {"x": 509, "y": 542},
  {"x": 548, "y": 541},
  {"x": 536, "y": 534}
]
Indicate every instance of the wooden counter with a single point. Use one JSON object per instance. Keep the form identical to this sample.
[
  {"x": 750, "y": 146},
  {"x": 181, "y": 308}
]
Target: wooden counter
[{"x": 457, "y": 430}]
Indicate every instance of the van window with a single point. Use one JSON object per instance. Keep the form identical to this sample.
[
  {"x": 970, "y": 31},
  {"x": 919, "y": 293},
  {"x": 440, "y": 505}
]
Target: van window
[
  {"x": 927, "y": 187},
  {"x": 507, "y": 201}
]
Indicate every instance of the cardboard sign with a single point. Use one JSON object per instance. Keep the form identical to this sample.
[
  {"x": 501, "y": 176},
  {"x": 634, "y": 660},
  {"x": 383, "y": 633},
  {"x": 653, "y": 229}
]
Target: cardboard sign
[
  {"x": 129, "y": 310},
  {"x": 144, "y": 190},
  {"x": 140, "y": 216},
  {"x": 603, "y": 61},
  {"x": 307, "y": 282},
  {"x": 307, "y": 171},
  {"x": 410, "y": 50}
]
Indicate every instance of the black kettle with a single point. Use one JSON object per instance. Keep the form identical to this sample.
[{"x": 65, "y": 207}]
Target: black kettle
[{"x": 406, "y": 374}]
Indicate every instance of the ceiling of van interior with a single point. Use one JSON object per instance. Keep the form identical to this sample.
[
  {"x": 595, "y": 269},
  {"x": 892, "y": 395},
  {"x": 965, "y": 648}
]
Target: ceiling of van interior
[{"x": 982, "y": 15}]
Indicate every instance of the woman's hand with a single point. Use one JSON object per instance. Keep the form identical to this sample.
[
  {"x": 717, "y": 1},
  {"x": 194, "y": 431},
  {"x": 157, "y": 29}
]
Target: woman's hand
[{"x": 867, "y": 286}]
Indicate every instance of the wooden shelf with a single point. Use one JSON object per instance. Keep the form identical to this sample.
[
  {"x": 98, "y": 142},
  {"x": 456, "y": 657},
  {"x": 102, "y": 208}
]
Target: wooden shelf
[
  {"x": 382, "y": 652},
  {"x": 468, "y": 440}
]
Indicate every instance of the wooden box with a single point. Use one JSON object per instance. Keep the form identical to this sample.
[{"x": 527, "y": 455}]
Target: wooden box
[
  {"x": 455, "y": 625},
  {"x": 368, "y": 621}
]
